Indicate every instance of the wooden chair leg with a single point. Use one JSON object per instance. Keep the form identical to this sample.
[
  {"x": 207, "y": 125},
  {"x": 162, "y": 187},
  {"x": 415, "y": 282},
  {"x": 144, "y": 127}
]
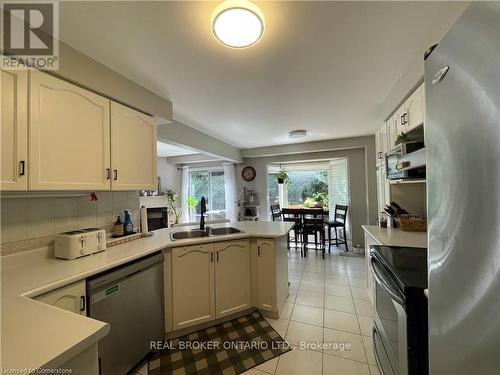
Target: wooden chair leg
[
  {"x": 315, "y": 240},
  {"x": 336, "y": 237},
  {"x": 329, "y": 238},
  {"x": 345, "y": 241}
]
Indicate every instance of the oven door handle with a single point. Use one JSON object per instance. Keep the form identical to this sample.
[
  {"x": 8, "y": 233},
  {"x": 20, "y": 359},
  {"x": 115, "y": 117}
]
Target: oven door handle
[{"x": 379, "y": 279}]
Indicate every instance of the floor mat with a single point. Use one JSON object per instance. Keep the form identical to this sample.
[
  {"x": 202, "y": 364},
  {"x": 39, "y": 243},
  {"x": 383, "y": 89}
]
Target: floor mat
[{"x": 228, "y": 348}]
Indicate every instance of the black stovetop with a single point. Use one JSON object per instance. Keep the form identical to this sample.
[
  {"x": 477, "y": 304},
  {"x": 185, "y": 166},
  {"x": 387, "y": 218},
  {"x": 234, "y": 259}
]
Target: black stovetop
[{"x": 408, "y": 264}]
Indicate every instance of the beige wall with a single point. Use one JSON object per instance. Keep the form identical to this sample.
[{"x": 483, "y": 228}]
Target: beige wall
[
  {"x": 78, "y": 68},
  {"x": 182, "y": 134},
  {"x": 361, "y": 211},
  {"x": 171, "y": 177}
]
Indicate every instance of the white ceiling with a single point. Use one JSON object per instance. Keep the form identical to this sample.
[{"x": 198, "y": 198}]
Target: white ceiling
[
  {"x": 168, "y": 150},
  {"x": 327, "y": 67}
]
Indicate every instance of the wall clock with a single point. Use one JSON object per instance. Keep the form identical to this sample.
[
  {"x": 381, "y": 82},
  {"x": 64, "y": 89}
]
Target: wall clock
[{"x": 248, "y": 173}]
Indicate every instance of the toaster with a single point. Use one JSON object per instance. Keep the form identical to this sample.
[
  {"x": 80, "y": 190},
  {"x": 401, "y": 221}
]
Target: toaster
[{"x": 79, "y": 243}]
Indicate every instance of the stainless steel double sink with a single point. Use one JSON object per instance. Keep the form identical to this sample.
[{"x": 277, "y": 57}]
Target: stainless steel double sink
[{"x": 197, "y": 233}]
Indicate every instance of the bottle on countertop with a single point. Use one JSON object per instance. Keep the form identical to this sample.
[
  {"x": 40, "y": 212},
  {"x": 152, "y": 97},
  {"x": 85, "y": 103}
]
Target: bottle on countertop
[
  {"x": 119, "y": 227},
  {"x": 128, "y": 227}
]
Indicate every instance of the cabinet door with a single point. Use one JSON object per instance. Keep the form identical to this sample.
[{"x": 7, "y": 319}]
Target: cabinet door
[
  {"x": 133, "y": 149},
  {"x": 378, "y": 148},
  {"x": 383, "y": 143},
  {"x": 400, "y": 120},
  {"x": 391, "y": 132},
  {"x": 68, "y": 136},
  {"x": 71, "y": 298},
  {"x": 266, "y": 275},
  {"x": 14, "y": 130},
  {"x": 232, "y": 277},
  {"x": 415, "y": 109},
  {"x": 192, "y": 285}
]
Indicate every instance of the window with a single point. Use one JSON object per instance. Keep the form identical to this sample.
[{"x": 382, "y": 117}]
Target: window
[
  {"x": 307, "y": 183},
  {"x": 208, "y": 184},
  {"x": 326, "y": 181},
  {"x": 306, "y": 186}
]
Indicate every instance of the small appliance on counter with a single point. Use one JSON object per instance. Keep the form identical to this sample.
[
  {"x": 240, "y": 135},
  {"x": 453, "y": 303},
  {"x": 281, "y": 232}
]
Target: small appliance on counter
[{"x": 79, "y": 243}]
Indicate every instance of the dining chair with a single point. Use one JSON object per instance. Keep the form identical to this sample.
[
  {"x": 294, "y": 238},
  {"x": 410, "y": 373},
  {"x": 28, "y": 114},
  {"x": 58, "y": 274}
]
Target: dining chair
[
  {"x": 294, "y": 216},
  {"x": 276, "y": 212},
  {"x": 338, "y": 222},
  {"x": 313, "y": 224}
]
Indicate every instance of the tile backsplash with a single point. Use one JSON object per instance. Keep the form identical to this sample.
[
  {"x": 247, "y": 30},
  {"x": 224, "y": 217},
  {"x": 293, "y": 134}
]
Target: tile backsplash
[{"x": 29, "y": 218}]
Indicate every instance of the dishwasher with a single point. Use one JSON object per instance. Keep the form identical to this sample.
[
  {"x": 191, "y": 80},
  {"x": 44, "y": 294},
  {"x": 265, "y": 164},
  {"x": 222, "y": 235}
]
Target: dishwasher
[{"x": 129, "y": 298}]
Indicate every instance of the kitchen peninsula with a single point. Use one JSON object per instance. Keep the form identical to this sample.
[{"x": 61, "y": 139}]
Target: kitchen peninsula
[{"x": 244, "y": 270}]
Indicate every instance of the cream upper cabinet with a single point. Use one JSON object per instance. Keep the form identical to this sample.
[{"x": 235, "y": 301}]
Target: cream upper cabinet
[
  {"x": 391, "y": 132},
  {"x": 133, "y": 149},
  {"x": 71, "y": 298},
  {"x": 232, "y": 277},
  {"x": 193, "y": 292},
  {"x": 14, "y": 130},
  {"x": 414, "y": 109},
  {"x": 399, "y": 118},
  {"x": 69, "y": 136},
  {"x": 266, "y": 275}
]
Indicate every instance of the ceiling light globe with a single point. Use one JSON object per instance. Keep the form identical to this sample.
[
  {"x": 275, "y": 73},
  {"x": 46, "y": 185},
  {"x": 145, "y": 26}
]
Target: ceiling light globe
[{"x": 237, "y": 23}]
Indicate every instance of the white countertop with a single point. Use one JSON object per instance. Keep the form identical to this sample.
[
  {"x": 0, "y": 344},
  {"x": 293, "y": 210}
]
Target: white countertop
[
  {"x": 396, "y": 237},
  {"x": 36, "y": 335}
]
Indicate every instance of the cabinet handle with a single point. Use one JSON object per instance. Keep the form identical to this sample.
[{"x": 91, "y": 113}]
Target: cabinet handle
[
  {"x": 108, "y": 174},
  {"x": 115, "y": 171},
  {"x": 217, "y": 253},
  {"x": 211, "y": 257},
  {"x": 258, "y": 251},
  {"x": 82, "y": 303},
  {"x": 22, "y": 164}
]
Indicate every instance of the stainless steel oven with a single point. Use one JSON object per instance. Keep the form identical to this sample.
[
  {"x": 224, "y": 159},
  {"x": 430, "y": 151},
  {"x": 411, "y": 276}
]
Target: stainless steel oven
[
  {"x": 390, "y": 321},
  {"x": 400, "y": 312}
]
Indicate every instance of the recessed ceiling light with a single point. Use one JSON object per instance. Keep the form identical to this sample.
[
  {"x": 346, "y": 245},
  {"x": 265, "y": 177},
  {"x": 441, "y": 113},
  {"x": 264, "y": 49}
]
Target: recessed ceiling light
[
  {"x": 237, "y": 23},
  {"x": 297, "y": 134}
]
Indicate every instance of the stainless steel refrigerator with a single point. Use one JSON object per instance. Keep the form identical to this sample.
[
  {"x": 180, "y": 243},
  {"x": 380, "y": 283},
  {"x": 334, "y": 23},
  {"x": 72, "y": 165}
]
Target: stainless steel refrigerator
[{"x": 462, "y": 134}]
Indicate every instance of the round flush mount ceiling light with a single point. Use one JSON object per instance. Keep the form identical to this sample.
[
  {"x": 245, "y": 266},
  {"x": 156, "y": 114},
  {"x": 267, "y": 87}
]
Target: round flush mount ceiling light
[
  {"x": 237, "y": 23},
  {"x": 297, "y": 134}
]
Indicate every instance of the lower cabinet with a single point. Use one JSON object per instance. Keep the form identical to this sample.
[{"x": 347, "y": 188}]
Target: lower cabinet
[
  {"x": 193, "y": 289},
  {"x": 215, "y": 280},
  {"x": 232, "y": 277},
  {"x": 70, "y": 297},
  {"x": 266, "y": 275}
]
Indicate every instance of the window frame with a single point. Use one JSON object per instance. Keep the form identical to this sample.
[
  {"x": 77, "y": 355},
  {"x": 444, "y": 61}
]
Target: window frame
[{"x": 208, "y": 170}]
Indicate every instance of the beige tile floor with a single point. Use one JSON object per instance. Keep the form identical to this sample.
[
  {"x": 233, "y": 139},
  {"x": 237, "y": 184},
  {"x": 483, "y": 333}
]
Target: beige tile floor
[{"x": 328, "y": 303}]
